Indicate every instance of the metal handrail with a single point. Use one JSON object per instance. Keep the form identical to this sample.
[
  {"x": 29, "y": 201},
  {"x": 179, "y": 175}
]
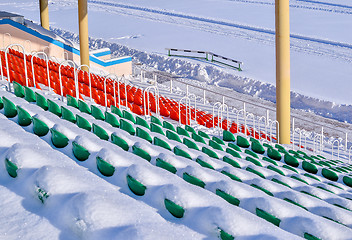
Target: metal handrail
[
  {"x": 338, "y": 149},
  {"x": 7, "y": 63},
  {"x": 47, "y": 67},
  {"x": 146, "y": 105},
  {"x": 277, "y": 129},
  {"x": 74, "y": 71},
  {"x": 188, "y": 104}
]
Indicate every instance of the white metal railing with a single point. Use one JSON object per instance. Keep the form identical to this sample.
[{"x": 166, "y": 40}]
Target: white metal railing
[
  {"x": 338, "y": 149},
  {"x": 47, "y": 67},
  {"x": 147, "y": 103},
  {"x": 60, "y": 76},
  {"x": 188, "y": 110},
  {"x": 7, "y": 63},
  {"x": 277, "y": 130}
]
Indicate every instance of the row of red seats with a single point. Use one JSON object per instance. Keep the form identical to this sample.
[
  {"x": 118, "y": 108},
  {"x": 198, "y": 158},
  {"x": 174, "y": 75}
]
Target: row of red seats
[{"x": 135, "y": 99}]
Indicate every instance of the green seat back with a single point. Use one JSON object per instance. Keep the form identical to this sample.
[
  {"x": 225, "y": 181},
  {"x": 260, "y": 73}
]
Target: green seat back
[
  {"x": 104, "y": 167},
  {"x": 41, "y": 101},
  {"x": 71, "y": 101},
  {"x": 67, "y": 115},
  {"x": 182, "y": 131},
  {"x": 24, "y": 118},
  {"x": 100, "y": 132},
  {"x": 58, "y": 139},
  {"x": 97, "y": 113},
  {"x": 80, "y": 152},
  {"x": 10, "y": 109},
  {"x": 128, "y": 116},
  {"x": 173, "y": 136},
  {"x": 111, "y": 119},
  {"x": 18, "y": 89},
  {"x": 83, "y": 123},
  {"x": 54, "y": 108},
  {"x": 156, "y": 128},
  {"x": 39, "y": 127},
  {"x": 143, "y": 134},
  {"x": 29, "y": 94},
  {"x": 140, "y": 121},
  {"x": 126, "y": 126},
  {"x": 83, "y": 107}
]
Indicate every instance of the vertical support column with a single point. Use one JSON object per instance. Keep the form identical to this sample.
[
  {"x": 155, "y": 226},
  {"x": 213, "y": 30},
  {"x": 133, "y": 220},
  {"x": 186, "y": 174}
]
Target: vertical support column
[
  {"x": 283, "y": 105},
  {"x": 83, "y": 33},
  {"x": 44, "y": 13}
]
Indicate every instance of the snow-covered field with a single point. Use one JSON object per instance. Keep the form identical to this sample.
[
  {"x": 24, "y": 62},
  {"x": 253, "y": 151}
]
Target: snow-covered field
[{"x": 321, "y": 49}]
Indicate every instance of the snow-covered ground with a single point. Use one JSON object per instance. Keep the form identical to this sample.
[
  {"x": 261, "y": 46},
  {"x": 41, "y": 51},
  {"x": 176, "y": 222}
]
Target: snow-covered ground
[{"x": 321, "y": 49}]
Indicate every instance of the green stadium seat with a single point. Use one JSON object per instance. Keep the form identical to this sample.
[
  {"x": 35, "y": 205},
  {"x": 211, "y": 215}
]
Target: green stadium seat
[
  {"x": 155, "y": 120},
  {"x": 312, "y": 177},
  {"x": 169, "y": 126},
  {"x": 233, "y": 153},
  {"x": 128, "y": 116},
  {"x": 119, "y": 142},
  {"x": 299, "y": 179},
  {"x": 39, "y": 127},
  {"x": 274, "y": 154},
  {"x": 182, "y": 131},
  {"x": 253, "y": 154},
  {"x": 156, "y": 128},
  {"x": 111, "y": 119},
  {"x": 1, "y": 104},
  {"x": 270, "y": 161},
  {"x": 190, "y": 144},
  {"x": 41, "y": 101},
  {"x": 257, "y": 147},
  {"x": 228, "y": 136},
  {"x": 267, "y": 216},
  {"x": 83, "y": 107},
  {"x": 18, "y": 89},
  {"x": 58, "y": 139},
  {"x": 54, "y": 108},
  {"x": 235, "y": 147},
  {"x": 295, "y": 203},
  {"x": 140, "y": 152},
  {"x": 280, "y": 182},
  {"x": 310, "y": 237},
  {"x": 193, "y": 180},
  {"x": 100, "y": 132},
  {"x": 228, "y": 197},
  {"x": 262, "y": 189},
  {"x": 161, "y": 143},
  {"x": 175, "y": 210},
  {"x": 203, "y": 134},
  {"x": 83, "y": 123},
  {"x": 231, "y": 161},
  {"x": 165, "y": 165},
  {"x": 141, "y": 122},
  {"x": 67, "y": 115},
  {"x": 327, "y": 173},
  {"x": 80, "y": 152},
  {"x": 71, "y": 101},
  {"x": 327, "y": 190},
  {"x": 209, "y": 152},
  {"x": 173, "y": 136},
  {"x": 116, "y": 110},
  {"x": 233, "y": 177},
  {"x": 198, "y": 138},
  {"x": 242, "y": 142},
  {"x": 24, "y": 118},
  {"x": 190, "y": 129},
  {"x": 225, "y": 236},
  {"x": 290, "y": 160},
  {"x": 215, "y": 145},
  {"x": 276, "y": 170},
  {"x": 347, "y": 180},
  {"x": 179, "y": 152},
  {"x": 104, "y": 167},
  {"x": 135, "y": 186},
  {"x": 218, "y": 140},
  {"x": 97, "y": 113},
  {"x": 249, "y": 169},
  {"x": 11, "y": 168},
  {"x": 311, "y": 168},
  {"x": 10, "y": 109},
  {"x": 126, "y": 126},
  {"x": 29, "y": 94},
  {"x": 290, "y": 168},
  {"x": 204, "y": 164},
  {"x": 143, "y": 134}
]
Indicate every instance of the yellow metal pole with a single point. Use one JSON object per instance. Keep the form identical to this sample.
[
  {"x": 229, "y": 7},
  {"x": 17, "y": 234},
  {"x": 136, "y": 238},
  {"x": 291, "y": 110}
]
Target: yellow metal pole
[
  {"x": 83, "y": 33},
  {"x": 283, "y": 102},
  {"x": 44, "y": 13}
]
